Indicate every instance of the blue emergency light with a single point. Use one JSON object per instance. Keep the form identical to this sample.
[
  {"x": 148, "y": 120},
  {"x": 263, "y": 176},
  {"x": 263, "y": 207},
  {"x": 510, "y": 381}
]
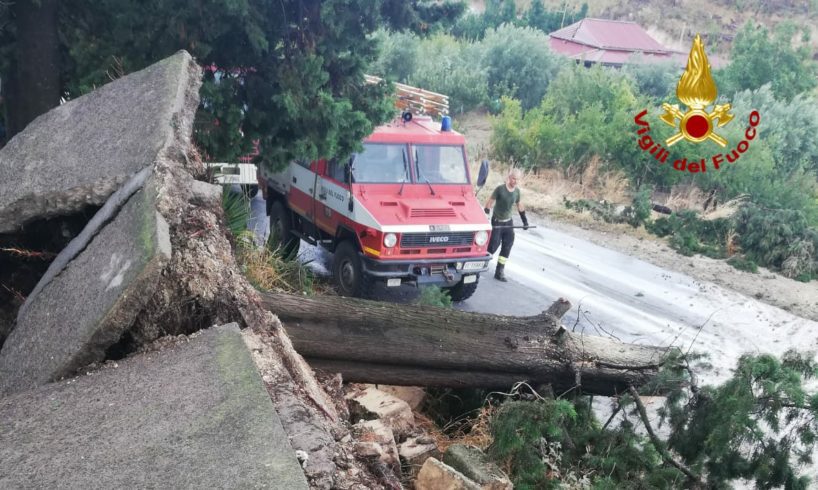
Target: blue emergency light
[{"x": 446, "y": 124}]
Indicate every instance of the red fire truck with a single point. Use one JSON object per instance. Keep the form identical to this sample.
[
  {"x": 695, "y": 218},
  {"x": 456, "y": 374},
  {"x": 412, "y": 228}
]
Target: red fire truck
[{"x": 402, "y": 210}]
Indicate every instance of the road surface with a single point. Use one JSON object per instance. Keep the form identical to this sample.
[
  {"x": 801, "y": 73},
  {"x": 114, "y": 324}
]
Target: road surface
[{"x": 617, "y": 295}]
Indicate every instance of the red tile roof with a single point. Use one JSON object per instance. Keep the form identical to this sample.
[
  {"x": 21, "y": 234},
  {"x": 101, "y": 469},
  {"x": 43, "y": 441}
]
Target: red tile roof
[{"x": 610, "y": 42}]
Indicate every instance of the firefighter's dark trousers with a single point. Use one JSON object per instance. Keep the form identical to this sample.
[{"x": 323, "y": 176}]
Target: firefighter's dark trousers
[{"x": 502, "y": 238}]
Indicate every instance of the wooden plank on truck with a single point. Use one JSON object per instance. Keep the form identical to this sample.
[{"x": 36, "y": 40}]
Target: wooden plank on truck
[{"x": 417, "y": 100}]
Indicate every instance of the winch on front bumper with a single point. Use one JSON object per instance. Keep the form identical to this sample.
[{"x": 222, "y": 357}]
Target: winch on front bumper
[{"x": 443, "y": 272}]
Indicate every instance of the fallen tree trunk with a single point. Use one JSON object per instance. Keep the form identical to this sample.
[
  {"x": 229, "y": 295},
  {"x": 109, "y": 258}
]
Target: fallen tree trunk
[{"x": 389, "y": 343}]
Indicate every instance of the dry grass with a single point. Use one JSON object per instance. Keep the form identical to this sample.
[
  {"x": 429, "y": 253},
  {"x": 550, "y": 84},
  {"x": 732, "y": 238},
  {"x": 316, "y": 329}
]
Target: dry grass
[
  {"x": 544, "y": 191},
  {"x": 728, "y": 208},
  {"x": 731, "y": 245},
  {"x": 685, "y": 197},
  {"x": 267, "y": 270},
  {"x": 474, "y": 431}
]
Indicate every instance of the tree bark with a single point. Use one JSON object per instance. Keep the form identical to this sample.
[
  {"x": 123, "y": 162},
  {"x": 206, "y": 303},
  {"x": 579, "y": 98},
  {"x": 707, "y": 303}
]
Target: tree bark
[
  {"x": 388, "y": 343},
  {"x": 34, "y": 87}
]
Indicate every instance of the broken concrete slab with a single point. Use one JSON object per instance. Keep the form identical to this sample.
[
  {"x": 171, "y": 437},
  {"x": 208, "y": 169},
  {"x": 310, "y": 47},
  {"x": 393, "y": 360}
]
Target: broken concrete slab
[
  {"x": 86, "y": 308},
  {"x": 436, "y": 475},
  {"x": 378, "y": 432},
  {"x": 471, "y": 462},
  {"x": 79, "y": 153},
  {"x": 414, "y": 453},
  {"x": 194, "y": 415},
  {"x": 413, "y": 395},
  {"x": 371, "y": 403}
]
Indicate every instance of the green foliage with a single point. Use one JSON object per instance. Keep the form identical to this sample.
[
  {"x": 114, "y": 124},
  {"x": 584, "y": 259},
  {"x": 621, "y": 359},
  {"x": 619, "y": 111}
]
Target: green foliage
[
  {"x": 453, "y": 68},
  {"x": 743, "y": 264},
  {"x": 549, "y": 442},
  {"x": 498, "y": 12},
  {"x": 268, "y": 269},
  {"x": 519, "y": 64},
  {"x": 788, "y": 128},
  {"x": 639, "y": 212},
  {"x": 521, "y": 430},
  {"x": 398, "y": 55},
  {"x": 758, "y": 57},
  {"x": 508, "y": 61},
  {"x": 635, "y": 215},
  {"x": 690, "y": 235},
  {"x": 657, "y": 80},
  {"x": 759, "y": 425},
  {"x": 287, "y": 73},
  {"x": 434, "y": 296},
  {"x": 581, "y": 118},
  {"x": 237, "y": 211},
  {"x": 781, "y": 239}
]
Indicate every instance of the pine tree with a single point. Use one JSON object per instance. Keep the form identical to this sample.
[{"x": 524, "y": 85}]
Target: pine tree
[{"x": 288, "y": 73}]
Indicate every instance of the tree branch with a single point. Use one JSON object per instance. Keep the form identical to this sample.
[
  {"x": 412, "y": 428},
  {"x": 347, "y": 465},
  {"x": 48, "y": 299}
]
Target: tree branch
[{"x": 657, "y": 443}]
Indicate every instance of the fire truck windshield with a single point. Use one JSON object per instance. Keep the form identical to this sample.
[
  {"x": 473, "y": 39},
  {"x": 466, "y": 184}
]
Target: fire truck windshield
[
  {"x": 439, "y": 164},
  {"x": 380, "y": 163}
]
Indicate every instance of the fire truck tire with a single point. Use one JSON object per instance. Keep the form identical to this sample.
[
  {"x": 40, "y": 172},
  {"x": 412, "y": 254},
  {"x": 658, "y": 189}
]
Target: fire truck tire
[
  {"x": 349, "y": 274},
  {"x": 280, "y": 237},
  {"x": 460, "y": 291}
]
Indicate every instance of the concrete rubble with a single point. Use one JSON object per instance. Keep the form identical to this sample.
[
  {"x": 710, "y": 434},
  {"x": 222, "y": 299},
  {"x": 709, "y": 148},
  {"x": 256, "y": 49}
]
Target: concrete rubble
[
  {"x": 220, "y": 407},
  {"x": 414, "y": 396},
  {"x": 436, "y": 475},
  {"x": 377, "y": 440},
  {"x": 367, "y": 402},
  {"x": 151, "y": 265},
  {"x": 471, "y": 462},
  {"x": 414, "y": 452}
]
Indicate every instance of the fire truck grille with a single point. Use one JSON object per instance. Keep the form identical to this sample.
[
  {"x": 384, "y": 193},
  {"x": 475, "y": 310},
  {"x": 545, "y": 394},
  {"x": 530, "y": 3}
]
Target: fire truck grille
[
  {"x": 456, "y": 238},
  {"x": 433, "y": 213}
]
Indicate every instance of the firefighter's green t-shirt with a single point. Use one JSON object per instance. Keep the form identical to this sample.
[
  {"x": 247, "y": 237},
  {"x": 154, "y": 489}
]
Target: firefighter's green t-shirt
[{"x": 504, "y": 202}]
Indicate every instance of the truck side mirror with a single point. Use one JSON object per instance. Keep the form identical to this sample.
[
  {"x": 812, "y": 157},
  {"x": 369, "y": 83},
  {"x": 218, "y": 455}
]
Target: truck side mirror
[
  {"x": 347, "y": 173},
  {"x": 483, "y": 174}
]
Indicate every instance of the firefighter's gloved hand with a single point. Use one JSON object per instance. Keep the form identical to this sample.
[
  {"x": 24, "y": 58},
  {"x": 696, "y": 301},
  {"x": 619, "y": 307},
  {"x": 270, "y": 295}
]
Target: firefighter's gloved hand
[
  {"x": 487, "y": 210},
  {"x": 525, "y": 220}
]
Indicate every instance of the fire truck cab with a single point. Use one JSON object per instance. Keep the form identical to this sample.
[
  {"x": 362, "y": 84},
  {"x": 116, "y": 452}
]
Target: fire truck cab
[{"x": 400, "y": 211}]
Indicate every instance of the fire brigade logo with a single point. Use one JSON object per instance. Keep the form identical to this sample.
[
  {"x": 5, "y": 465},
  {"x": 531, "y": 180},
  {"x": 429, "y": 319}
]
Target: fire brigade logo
[{"x": 697, "y": 90}]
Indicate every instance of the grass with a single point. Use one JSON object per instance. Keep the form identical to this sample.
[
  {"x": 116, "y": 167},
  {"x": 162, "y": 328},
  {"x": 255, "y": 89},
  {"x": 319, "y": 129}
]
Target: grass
[{"x": 268, "y": 270}]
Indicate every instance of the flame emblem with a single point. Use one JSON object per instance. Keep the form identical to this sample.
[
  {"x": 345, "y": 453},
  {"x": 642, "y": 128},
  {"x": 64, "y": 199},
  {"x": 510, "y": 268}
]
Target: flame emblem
[{"x": 697, "y": 90}]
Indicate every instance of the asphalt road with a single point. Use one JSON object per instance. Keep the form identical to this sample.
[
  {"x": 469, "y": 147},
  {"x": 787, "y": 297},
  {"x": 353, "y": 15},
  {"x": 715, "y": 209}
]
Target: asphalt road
[{"x": 617, "y": 295}]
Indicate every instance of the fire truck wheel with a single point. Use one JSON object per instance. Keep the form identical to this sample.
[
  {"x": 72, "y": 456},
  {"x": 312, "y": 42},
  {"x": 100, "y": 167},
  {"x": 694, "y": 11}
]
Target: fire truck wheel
[
  {"x": 280, "y": 237},
  {"x": 348, "y": 272},
  {"x": 460, "y": 291}
]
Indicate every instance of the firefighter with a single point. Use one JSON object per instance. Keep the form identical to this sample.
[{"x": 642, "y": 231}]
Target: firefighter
[{"x": 504, "y": 198}]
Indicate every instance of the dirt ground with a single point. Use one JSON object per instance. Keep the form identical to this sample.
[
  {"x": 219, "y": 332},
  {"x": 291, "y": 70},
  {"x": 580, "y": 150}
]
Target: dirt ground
[{"x": 544, "y": 196}]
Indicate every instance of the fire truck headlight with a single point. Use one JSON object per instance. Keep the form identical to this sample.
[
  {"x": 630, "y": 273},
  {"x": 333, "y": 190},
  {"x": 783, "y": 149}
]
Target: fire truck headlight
[
  {"x": 481, "y": 237},
  {"x": 390, "y": 240}
]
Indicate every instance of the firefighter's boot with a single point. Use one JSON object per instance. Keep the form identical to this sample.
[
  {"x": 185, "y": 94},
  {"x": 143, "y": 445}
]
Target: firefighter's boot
[{"x": 499, "y": 273}]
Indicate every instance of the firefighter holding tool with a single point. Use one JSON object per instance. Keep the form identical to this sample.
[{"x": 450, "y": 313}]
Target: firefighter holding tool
[{"x": 504, "y": 198}]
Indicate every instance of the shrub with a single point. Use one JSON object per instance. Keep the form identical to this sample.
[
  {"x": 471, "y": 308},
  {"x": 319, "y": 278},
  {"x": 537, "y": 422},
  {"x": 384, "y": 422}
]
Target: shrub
[
  {"x": 690, "y": 235},
  {"x": 434, "y": 296},
  {"x": 519, "y": 64},
  {"x": 237, "y": 211},
  {"x": 269, "y": 270},
  {"x": 778, "y": 238},
  {"x": 398, "y": 55},
  {"x": 743, "y": 264},
  {"x": 453, "y": 68}
]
